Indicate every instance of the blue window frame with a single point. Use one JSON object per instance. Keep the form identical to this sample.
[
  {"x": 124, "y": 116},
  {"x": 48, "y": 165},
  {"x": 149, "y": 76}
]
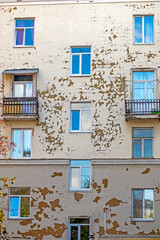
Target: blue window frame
[
  {"x": 142, "y": 204},
  {"x": 143, "y": 29},
  {"x": 80, "y": 175},
  {"x": 80, "y": 61},
  {"x": 142, "y": 143},
  {"x": 24, "y": 32},
  {"x": 80, "y": 117},
  {"x": 19, "y": 203}
]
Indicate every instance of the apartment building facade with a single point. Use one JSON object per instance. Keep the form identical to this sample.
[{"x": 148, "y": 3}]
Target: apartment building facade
[{"x": 80, "y": 101}]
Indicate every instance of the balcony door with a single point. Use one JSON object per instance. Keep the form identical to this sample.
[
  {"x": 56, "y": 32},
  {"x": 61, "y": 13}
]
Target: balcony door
[
  {"x": 143, "y": 91},
  {"x": 23, "y": 88}
]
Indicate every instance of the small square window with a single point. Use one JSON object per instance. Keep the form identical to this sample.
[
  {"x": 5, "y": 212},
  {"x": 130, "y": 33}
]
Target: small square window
[
  {"x": 19, "y": 202},
  {"x": 24, "y": 32},
  {"x": 22, "y": 143},
  {"x": 142, "y": 204},
  {"x": 79, "y": 228},
  {"x": 80, "y": 61},
  {"x": 80, "y": 175},
  {"x": 142, "y": 143},
  {"x": 80, "y": 117},
  {"x": 143, "y": 29}
]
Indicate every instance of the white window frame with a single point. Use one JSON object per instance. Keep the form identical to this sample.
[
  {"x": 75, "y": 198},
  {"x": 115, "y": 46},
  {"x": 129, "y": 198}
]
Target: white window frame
[
  {"x": 142, "y": 139},
  {"x": 19, "y": 208},
  {"x": 80, "y": 61},
  {"x": 24, "y": 32},
  {"x": 144, "y": 81},
  {"x": 79, "y": 226},
  {"x": 80, "y": 117},
  {"x": 79, "y": 180},
  {"x": 22, "y": 142},
  {"x": 142, "y": 16},
  {"x": 143, "y": 207}
]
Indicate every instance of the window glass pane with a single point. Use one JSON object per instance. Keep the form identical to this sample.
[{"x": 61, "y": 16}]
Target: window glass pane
[
  {"x": 137, "y": 148},
  {"x": 81, "y": 50},
  {"x": 148, "y": 148},
  {"x": 74, "y": 233},
  {"x": 80, "y": 105},
  {"x": 23, "y": 78},
  {"x": 14, "y": 205},
  {"x": 86, "y": 120},
  {"x": 25, "y": 207},
  {"x": 19, "y": 191},
  {"x": 138, "y": 30},
  {"x": 27, "y": 134},
  {"x": 16, "y": 139},
  {"x": 148, "y": 29},
  {"x": 137, "y": 204},
  {"x": 29, "y": 89},
  {"x": 79, "y": 220},
  {"x": 84, "y": 232},
  {"x": 86, "y": 63},
  {"x": 19, "y": 90},
  {"x": 143, "y": 76},
  {"x": 75, "y": 177},
  {"x": 137, "y": 132},
  {"x": 19, "y": 37},
  {"x": 29, "y": 37},
  {"x": 75, "y": 120},
  {"x": 148, "y": 194},
  {"x": 150, "y": 91},
  {"x": 80, "y": 162},
  {"x": 85, "y": 177},
  {"x": 139, "y": 91},
  {"x": 75, "y": 64},
  {"x": 25, "y": 23}
]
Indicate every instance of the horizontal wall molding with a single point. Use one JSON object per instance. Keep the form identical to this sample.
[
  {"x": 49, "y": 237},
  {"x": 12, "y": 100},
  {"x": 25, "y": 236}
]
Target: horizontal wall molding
[
  {"x": 129, "y": 237},
  {"x": 36, "y": 2},
  {"x": 93, "y": 161}
]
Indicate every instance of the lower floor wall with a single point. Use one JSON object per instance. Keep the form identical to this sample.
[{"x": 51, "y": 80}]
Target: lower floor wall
[{"x": 48, "y": 209}]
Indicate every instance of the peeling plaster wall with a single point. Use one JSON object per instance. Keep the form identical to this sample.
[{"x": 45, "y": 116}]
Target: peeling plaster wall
[
  {"x": 108, "y": 29},
  {"x": 52, "y": 203},
  {"x": 113, "y": 57}
]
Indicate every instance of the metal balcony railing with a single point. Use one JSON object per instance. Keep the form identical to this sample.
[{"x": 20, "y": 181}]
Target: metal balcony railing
[
  {"x": 26, "y": 106},
  {"x": 146, "y": 107}
]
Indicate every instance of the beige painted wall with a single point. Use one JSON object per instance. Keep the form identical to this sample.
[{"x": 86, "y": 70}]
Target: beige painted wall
[{"x": 108, "y": 29}]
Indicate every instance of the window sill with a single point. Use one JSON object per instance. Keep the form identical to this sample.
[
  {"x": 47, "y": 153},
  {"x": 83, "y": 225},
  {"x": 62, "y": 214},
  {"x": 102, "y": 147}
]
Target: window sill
[
  {"x": 23, "y": 46},
  {"x": 139, "y": 158},
  {"x": 19, "y": 218},
  {"x": 80, "y": 131},
  {"x": 82, "y": 75},
  {"x": 79, "y": 190},
  {"x": 21, "y": 158},
  {"x": 142, "y": 220},
  {"x": 143, "y": 43}
]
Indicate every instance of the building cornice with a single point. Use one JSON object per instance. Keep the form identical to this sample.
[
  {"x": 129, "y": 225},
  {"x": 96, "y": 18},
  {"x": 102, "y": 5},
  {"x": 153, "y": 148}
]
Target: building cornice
[{"x": 45, "y": 2}]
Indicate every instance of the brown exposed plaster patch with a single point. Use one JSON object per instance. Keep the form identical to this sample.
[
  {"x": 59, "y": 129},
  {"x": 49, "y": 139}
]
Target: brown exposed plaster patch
[
  {"x": 4, "y": 194},
  {"x": 105, "y": 182},
  {"x": 55, "y": 204},
  {"x": 41, "y": 207},
  {"x": 97, "y": 187},
  {"x": 151, "y": 55},
  {"x": 126, "y": 169},
  {"x": 56, "y": 174},
  {"x": 137, "y": 227},
  {"x": 113, "y": 214},
  {"x": 45, "y": 215},
  {"x": 96, "y": 220},
  {"x": 14, "y": 8},
  {"x": 157, "y": 189},
  {"x": 78, "y": 196},
  {"x": 26, "y": 222},
  {"x": 38, "y": 234},
  {"x": 96, "y": 199},
  {"x": 44, "y": 191},
  {"x": 108, "y": 221},
  {"x": 130, "y": 58},
  {"x": 126, "y": 224},
  {"x": 114, "y": 202},
  {"x": 146, "y": 171},
  {"x": 33, "y": 226},
  {"x": 114, "y": 230},
  {"x": 32, "y": 202},
  {"x": 153, "y": 232},
  {"x": 133, "y": 222},
  {"x": 101, "y": 230}
]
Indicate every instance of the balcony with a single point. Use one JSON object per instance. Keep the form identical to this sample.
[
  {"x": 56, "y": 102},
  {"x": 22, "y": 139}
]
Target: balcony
[
  {"x": 25, "y": 108},
  {"x": 142, "y": 109}
]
